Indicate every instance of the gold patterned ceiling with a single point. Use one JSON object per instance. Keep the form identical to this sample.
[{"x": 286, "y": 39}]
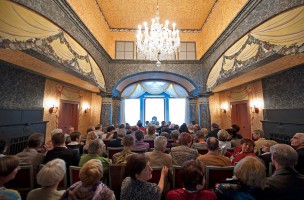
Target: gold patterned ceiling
[{"x": 128, "y": 14}]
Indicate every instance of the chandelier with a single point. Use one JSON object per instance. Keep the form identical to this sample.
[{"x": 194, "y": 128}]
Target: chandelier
[{"x": 159, "y": 42}]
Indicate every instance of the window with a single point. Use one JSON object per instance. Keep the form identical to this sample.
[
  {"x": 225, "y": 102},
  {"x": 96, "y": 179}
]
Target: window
[
  {"x": 132, "y": 111},
  {"x": 141, "y": 56},
  {"x": 155, "y": 107},
  {"x": 177, "y": 111},
  {"x": 124, "y": 50},
  {"x": 187, "y": 51}
]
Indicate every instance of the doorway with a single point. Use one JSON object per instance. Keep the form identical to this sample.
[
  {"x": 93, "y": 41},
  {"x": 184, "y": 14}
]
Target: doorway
[
  {"x": 68, "y": 114},
  {"x": 240, "y": 115}
]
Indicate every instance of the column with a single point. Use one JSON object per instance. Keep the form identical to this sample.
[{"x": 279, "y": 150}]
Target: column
[
  {"x": 116, "y": 108},
  {"x": 106, "y": 112},
  {"x": 204, "y": 112},
  {"x": 192, "y": 110}
]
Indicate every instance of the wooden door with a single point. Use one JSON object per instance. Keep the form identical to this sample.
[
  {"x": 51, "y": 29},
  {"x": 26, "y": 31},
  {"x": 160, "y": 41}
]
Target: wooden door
[
  {"x": 240, "y": 115},
  {"x": 68, "y": 115}
]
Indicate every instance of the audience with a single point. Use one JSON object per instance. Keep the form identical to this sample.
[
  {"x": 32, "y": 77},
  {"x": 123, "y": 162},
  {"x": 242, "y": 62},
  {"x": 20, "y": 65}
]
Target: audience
[
  {"x": 139, "y": 143},
  {"x": 192, "y": 174},
  {"x": 30, "y": 155},
  {"x": 90, "y": 137},
  {"x": 213, "y": 157},
  {"x": 3, "y": 148},
  {"x": 120, "y": 135},
  {"x": 183, "y": 152},
  {"x": 49, "y": 178},
  {"x": 259, "y": 140},
  {"x": 174, "y": 135},
  {"x": 285, "y": 183},
  {"x": 223, "y": 137},
  {"x": 200, "y": 139},
  {"x": 250, "y": 181},
  {"x": 89, "y": 186},
  {"x": 246, "y": 149},
  {"x": 234, "y": 140},
  {"x": 67, "y": 135},
  {"x": 297, "y": 142},
  {"x": 9, "y": 166},
  {"x": 140, "y": 127},
  {"x": 76, "y": 143},
  {"x": 136, "y": 185},
  {"x": 266, "y": 155},
  {"x": 98, "y": 131},
  {"x": 121, "y": 157},
  {"x": 214, "y": 129},
  {"x": 237, "y": 129},
  {"x": 49, "y": 144},
  {"x": 151, "y": 133},
  {"x": 110, "y": 133},
  {"x": 183, "y": 128}
]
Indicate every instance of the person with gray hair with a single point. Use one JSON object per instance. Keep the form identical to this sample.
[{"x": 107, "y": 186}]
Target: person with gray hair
[
  {"x": 49, "y": 177},
  {"x": 120, "y": 135},
  {"x": 258, "y": 138},
  {"x": 121, "y": 157},
  {"x": 297, "y": 142},
  {"x": 286, "y": 182},
  {"x": 95, "y": 151}
]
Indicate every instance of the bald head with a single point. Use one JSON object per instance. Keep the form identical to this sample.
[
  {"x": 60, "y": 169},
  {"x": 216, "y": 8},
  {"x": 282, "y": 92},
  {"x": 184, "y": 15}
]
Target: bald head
[{"x": 212, "y": 144}]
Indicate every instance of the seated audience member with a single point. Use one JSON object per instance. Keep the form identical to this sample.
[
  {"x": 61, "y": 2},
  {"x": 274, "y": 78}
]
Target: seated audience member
[
  {"x": 266, "y": 155},
  {"x": 136, "y": 186},
  {"x": 285, "y": 183},
  {"x": 67, "y": 135},
  {"x": 237, "y": 129},
  {"x": 234, "y": 140},
  {"x": 121, "y": 157},
  {"x": 3, "y": 148},
  {"x": 89, "y": 186},
  {"x": 90, "y": 137},
  {"x": 200, "y": 141},
  {"x": 140, "y": 127},
  {"x": 49, "y": 144},
  {"x": 49, "y": 176},
  {"x": 70, "y": 156},
  {"x": 30, "y": 155},
  {"x": 89, "y": 129},
  {"x": 258, "y": 138},
  {"x": 183, "y": 152},
  {"x": 110, "y": 133},
  {"x": 120, "y": 135},
  {"x": 128, "y": 129},
  {"x": 9, "y": 166},
  {"x": 196, "y": 127},
  {"x": 213, "y": 157},
  {"x": 192, "y": 174},
  {"x": 165, "y": 134},
  {"x": 174, "y": 135},
  {"x": 246, "y": 149},
  {"x": 223, "y": 137},
  {"x": 98, "y": 131},
  {"x": 190, "y": 128},
  {"x": 214, "y": 129},
  {"x": 151, "y": 133},
  {"x": 250, "y": 181},
  {"x": 139, "y": 143},
  {"x": 95, "y": 151},
  {"x": 184, "y": 128},
  {"x": 297, "y": 142},
  {"x": 176, "y": 127},
  {"x": 76, "y": 143}
]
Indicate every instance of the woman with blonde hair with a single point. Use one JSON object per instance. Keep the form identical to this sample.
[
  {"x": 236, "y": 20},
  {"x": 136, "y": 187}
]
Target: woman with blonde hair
[
  {"x": 90, "y": 137},
  {"x": 250, "y": 174},
  {"x": 89, "y": 186},
  {"x": 49, "y": 177}
]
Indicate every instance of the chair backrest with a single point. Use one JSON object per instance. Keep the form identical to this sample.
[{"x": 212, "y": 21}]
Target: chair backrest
[
  {"x": 142, "y": 150},
  {"x": 74, "y": 174},
  {"x": 114, "y": 150},
  {"x": 106, "y": 142},
  {"x": 202, "y": 151},
  {"x": 169, "y": 143},
  {"x": 215, "y": 174},
  {"x": 117, "y": 173},
  {"x": 156, "y": 174},
  {"x": 24, "y": 179},
  {"x": 63, "y": 184},
  {"x": 177, "y": 181},
  {"x": 271, "y": 169},
  {"x": 151, "y": 143}
]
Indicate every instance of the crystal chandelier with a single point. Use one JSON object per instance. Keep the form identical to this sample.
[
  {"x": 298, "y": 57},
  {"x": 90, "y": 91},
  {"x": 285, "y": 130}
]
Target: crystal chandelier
[{"x": 159, "y": 42}]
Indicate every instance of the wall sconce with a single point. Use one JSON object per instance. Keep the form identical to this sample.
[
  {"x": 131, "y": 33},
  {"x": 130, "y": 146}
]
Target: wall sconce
[
  {"x": 255, "y": 109},
  {"x": 87, "y": 108},
  {"x": 52, "y": 104},
  {"x": 256, "y": 105},
  {"x": 224, "y": 107}
]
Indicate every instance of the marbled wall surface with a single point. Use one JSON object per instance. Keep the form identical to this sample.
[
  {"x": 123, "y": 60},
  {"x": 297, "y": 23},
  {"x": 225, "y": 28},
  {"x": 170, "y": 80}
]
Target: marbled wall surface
[
  {"x": 284, "y": 90},
  {"x": 19, "y": 88}
]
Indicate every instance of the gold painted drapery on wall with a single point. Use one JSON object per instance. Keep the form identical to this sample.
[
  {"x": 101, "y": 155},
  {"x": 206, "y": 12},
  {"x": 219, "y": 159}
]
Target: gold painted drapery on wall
[
  {"x": 283, "y": 35},
  {"x": 22, "y": 29}
]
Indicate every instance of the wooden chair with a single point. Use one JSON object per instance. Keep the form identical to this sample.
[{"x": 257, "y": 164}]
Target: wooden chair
[
  {"x": 106, "y": 142},
  {"x": 63, "y": 185},
  {"x": 151, "y": 143},
  {"x": 74, "y": 174},
  {"x": 113, "y": 150},
  {"x": 177, "y": 181},
  {"x": 271, "y": 169},
  {"x": 215, "y": 174},
  {"x": 117, "y": 174},
  {"x": 24, "y": 179},
  {"x": 202, "y": 151},
  {"x": 156, "y": 174}
]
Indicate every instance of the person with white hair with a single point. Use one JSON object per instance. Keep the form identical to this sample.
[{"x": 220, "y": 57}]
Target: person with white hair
[
  {"x": 89, "y": 186},
  {"x": 297, "y": 142},
  {"x": 285, "y": 182},
  {"x": 49, "y": 177}
]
